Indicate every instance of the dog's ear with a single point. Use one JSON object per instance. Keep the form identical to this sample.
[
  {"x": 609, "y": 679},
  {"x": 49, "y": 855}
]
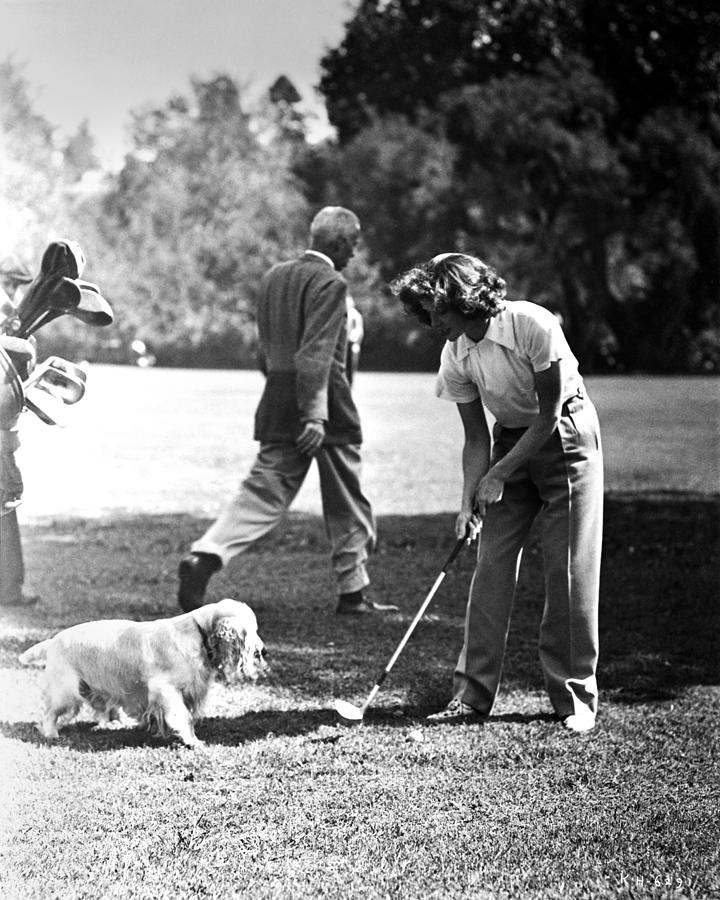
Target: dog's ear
[{"x": 226, "y": 647}]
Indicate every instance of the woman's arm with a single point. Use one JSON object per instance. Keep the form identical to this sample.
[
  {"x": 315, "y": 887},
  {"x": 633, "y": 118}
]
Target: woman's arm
[
  {"x": 475, "y": 460},
  {"x": 548, "y": 386}
]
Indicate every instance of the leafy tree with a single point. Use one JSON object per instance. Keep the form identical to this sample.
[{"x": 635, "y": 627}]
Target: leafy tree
[
  {"x": 546, "y": 191},
  {"x": 587, "y": 143},
  {"x": 398, "y": 178},
  {"x": 401, "y": 56},
  {"x": 36, "y": 204},
  {"x": 79, "y": 154},
  {"x": 199, "y": 211}
]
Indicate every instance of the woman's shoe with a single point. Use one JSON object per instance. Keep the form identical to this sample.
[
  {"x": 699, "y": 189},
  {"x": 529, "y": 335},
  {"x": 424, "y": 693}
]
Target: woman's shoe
[{"x": 456, "y": 711}]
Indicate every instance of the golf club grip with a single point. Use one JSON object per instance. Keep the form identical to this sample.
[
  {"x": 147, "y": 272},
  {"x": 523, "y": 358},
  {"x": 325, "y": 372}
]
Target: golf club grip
[{"x": 453, "y": 553}]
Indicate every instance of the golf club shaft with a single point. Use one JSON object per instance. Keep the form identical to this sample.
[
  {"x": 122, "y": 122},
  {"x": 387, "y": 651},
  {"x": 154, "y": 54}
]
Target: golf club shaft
[{"x": 401, "y": 646}]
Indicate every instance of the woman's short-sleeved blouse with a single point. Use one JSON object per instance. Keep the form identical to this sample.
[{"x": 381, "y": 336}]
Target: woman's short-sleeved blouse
[{"x": 523, "y": 339}]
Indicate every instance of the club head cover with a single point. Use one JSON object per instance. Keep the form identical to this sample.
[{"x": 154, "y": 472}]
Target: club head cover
[
  {"x": 66, "y": 295},
  {"x": 63, "y": 258},
  {"x": 47, "y": 408},
  {"x": 59, "y": 296},
  {"x": 34, "y": 297},
  {"x": 93, "y": 308}
]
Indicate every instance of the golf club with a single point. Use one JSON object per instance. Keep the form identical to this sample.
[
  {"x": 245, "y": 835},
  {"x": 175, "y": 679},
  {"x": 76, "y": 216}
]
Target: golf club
[
  {"x": 90, "y": 307},
  {"x": 62, "y": 379},
  {"x": 46, "y": 406},
  {"x": 352, "y": 713},
  {"x": 61, "y": 259},
  {"x": 93, "y": 308},
  {"x": 64, "y": 365},
  {"x": 59, "y": 297}
]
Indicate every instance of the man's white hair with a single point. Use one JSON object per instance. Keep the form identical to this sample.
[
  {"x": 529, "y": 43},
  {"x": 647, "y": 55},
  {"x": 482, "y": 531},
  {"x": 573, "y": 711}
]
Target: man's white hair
[{"x": 332, "y": 222}]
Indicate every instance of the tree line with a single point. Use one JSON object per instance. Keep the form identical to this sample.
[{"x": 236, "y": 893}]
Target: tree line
[{"x": 572, "y": 144}]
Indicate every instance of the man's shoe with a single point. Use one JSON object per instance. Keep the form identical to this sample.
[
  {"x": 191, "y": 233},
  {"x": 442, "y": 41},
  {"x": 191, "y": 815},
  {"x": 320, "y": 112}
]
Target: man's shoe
[
  {"x": 580, "y": 721},
  {"x": 195, "y": 571},
  {"x": 456, "y": 711},
  {"x": 355, "y": 604}
]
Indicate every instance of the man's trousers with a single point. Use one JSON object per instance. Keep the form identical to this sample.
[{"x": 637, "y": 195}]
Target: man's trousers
[
  {"x": 563, "y": 486},
  {"x": 267, "y": 492}
]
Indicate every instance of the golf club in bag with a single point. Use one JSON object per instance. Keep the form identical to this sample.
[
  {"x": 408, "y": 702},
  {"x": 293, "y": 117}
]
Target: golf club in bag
[
  {"x": 56, "y": 291},
  {"x": 53, "y": 385},
  {"x": 351, "y": 713}
]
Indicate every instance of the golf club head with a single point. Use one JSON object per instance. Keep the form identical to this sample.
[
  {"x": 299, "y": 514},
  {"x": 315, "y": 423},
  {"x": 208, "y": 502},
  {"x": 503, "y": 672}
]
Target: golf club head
[
  {"x": 63, "y": 258},
  {"x": 63, "y": 297},
  {"x": 348, "y": 711},
  {"x": 61, "y": 379},
  {"x": 93, "y": 308},
  {"x": 71, "y": 368},
  {"x": 34, "y": 297},
  {"x": 47, "y": 408},
  {"x": 48, "y": 297},
  {"x": 61, "y": 385}
]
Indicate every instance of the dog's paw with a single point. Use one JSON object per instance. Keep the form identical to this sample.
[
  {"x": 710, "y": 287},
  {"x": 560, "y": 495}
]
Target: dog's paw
[{"x": 48, "y": 734}]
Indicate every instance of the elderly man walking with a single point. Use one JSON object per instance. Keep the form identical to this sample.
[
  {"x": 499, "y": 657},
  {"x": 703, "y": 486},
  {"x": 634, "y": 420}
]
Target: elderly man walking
[{"x": 306, "y": 412}]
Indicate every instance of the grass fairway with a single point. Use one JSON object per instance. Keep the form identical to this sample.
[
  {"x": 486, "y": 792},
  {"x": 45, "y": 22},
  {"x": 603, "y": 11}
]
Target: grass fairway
[{"x": 284, "y": 802}]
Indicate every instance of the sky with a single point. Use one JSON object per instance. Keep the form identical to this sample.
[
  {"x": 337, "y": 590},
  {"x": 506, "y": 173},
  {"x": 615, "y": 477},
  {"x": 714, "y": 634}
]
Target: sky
[{"x": 99, "y": 59}]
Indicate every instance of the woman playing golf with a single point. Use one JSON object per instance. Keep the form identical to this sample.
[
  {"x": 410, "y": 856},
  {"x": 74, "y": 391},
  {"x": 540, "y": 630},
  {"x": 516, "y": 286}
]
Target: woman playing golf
[{"x": 511, "y": 359}]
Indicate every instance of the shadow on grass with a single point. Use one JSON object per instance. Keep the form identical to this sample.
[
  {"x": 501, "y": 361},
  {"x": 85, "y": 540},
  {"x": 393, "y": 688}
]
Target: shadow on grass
[
  {"x": 659, "y": 618},
  {"x": 227, "y": 731},
  {"x": 322, "y": 726}
]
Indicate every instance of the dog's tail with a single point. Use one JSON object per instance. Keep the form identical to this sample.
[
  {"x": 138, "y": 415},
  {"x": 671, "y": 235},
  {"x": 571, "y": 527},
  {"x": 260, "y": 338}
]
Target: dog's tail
[{"x": 35, "y": 655}]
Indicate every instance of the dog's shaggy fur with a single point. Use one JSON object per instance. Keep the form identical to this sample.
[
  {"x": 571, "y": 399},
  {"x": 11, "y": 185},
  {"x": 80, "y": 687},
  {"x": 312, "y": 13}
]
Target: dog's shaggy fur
[{"x": 157, "y": 672}]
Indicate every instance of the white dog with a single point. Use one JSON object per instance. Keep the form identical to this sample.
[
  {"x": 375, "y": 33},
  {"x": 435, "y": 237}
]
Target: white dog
[{"x": 158, "y": 672}]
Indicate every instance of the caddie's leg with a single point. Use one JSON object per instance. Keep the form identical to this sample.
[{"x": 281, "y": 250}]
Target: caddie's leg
[
  {"x": 349, "y": 519},
  {"x": 570, "y": 478},
  {"x": 492, "y": 591},
  {"x": 12, "y": 569},
  {"x": 262, "y": 499}
]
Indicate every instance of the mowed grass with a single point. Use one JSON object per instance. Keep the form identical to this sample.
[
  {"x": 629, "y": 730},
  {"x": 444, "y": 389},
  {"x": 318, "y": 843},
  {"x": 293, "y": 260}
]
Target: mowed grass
[
  {"x": 284, "y": 802},
  {"x": 168, "y": 440}
]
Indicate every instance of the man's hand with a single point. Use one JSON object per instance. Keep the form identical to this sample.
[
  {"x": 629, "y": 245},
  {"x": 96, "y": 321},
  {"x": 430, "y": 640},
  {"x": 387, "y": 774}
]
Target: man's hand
[
  {"x": 311, "y": 439},
  {"x": 22, "y": 353}
]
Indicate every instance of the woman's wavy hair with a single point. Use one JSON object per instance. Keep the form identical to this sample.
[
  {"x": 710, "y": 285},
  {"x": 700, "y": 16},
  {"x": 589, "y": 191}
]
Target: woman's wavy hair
[{"x": 451, "y": 281}]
